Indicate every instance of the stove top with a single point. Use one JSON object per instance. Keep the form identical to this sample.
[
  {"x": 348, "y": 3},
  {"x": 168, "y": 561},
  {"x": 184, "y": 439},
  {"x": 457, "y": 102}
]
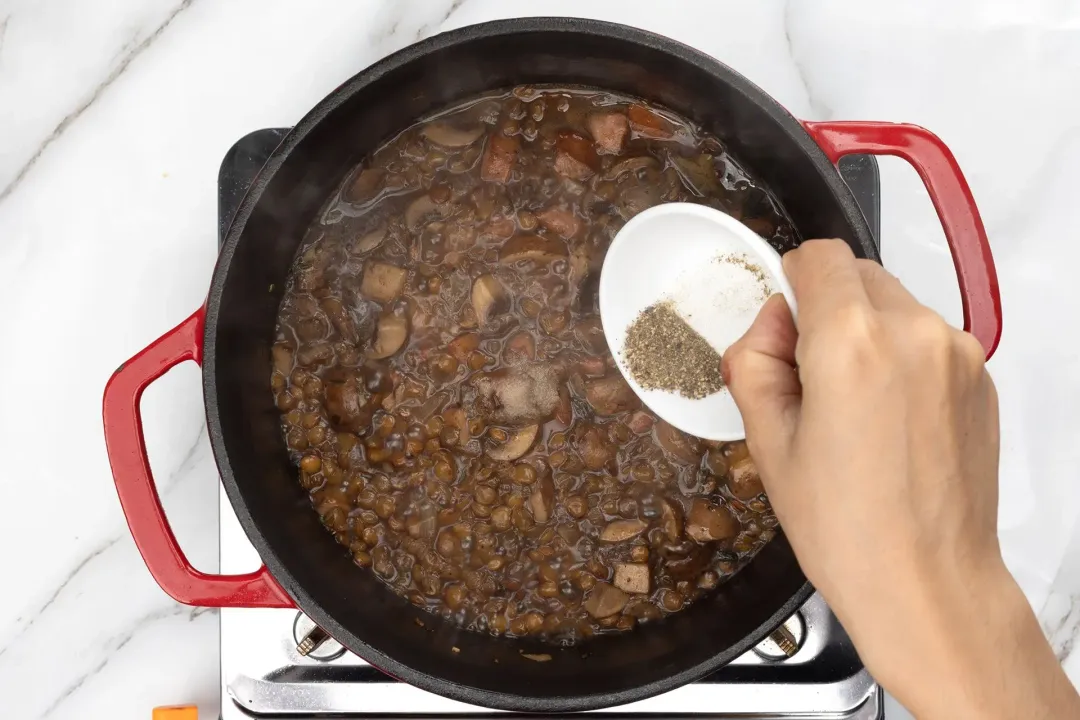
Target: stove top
[{"x": 275, "y": 663}]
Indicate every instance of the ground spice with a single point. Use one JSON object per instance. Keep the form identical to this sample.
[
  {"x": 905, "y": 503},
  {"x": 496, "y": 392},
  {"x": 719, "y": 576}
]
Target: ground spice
[
  {"x": 765, "y": 288},
  {"x": 662, "y": 352}
]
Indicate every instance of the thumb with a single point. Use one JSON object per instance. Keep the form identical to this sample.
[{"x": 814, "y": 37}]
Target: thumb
[{"x": 759, "y": 369}]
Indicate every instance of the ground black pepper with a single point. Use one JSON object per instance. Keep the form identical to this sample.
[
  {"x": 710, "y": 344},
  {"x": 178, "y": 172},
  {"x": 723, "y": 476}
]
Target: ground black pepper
[{"x": 662, "y": 352}]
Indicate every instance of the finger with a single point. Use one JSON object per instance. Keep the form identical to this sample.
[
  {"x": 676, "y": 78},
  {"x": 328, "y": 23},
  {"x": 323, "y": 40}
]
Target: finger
[
  {"x": 760, "y": 373},
  {"x": 883, "y": 288},
  {"x": 825, "y": 279},
  {"x": 772, "y": 332}
]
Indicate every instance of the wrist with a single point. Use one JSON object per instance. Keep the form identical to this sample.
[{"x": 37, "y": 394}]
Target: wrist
[
  {"x": 977, "y": 652},
  {"x": 924, "y": 634}
]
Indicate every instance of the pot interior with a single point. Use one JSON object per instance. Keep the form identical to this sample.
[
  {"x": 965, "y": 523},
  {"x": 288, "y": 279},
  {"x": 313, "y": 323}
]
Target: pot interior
[{"x": 352, "y": 604}]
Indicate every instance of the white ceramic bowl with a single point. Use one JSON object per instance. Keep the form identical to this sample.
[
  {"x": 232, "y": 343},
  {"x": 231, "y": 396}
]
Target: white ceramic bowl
[{"x": 683, "y": 252}]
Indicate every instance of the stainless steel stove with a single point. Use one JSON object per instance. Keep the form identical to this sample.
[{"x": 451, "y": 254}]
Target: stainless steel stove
[{"x": 275, "y": 663}]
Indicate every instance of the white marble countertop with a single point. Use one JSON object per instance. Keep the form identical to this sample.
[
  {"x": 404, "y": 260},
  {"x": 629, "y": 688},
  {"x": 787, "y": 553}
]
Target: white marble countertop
[{"x": 115, "y": 115}]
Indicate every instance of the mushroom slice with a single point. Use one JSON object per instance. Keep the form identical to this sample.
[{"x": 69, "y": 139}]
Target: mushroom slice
[
  {"x": 605, "y": 600},
  {"x": 595, "y": 450},
  {"x": 633, "y": 164},
  {"x": 640, "y": 422},
  {"x": 517, "y": 396},
  {"x": 317, "y": 353},
  {"x": 564, "y": 412},
  {"x": 678, "y": 444},
  {"x": 489, "y": 298},
  {"x": 521, "y": 347},
  {"x": 498, "y": 228},
  {"x": 499, "y": 158},
  {"x": 670, "y": 521},
  {"x": 390, "y": 335},
  {"x": 532, "y": 247},
  {"x": 579, "y": 265},
  {"x": 382, "y": 281},
  {"x": 621, "y": 530},
  {"x": 340, "y": 317},
  {"x": 610, "y": 395},
  {"x": 575, "y": 156},
  {"x": 559, "y": 221},
  {"x": 689, "y": 561},
  {"x": 647, "y": 123},
  {"x": 419, "y": 210},
  {"x": 463, "y": 345},
  {"x": 638, "y": 198},
  {"x": 369, "y": 241},
  {"x": 699, "y": 173},
  {"x": 449, "y": 136},
  {"x": 349, "y": 404},
  {"x": 537, "y": 657},
  {"x": 632, "y": 577},
  {"x": 282, "y": 355},
  {"x": 609, "y": 130},
  {"x": 745, "y": 482},
  {"x": 715, "y": 462},
  {"x": 516, "y": 445},
  {"x": 708, "y": 522},
  {"x": 542, "y": 500}
]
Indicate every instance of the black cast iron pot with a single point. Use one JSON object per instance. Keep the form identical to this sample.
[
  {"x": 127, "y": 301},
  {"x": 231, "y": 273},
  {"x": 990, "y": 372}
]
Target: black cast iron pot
[{"x": 231, "y": 337}]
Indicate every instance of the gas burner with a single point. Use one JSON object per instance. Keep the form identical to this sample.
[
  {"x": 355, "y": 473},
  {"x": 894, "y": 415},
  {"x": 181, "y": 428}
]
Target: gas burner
[{"x": 277, "y": 663}]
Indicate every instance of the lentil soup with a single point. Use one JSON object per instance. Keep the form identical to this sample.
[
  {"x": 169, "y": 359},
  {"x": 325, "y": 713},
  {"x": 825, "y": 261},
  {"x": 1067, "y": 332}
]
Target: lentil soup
[{"x": 446, "y": 390}]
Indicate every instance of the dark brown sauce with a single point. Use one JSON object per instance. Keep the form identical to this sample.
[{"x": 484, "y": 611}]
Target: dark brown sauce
[{"x": 447, "y": 392}]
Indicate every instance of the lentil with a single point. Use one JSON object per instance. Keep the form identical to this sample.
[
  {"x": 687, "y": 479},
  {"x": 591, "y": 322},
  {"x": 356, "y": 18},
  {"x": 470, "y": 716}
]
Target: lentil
[{"x": 471, "y": 442}]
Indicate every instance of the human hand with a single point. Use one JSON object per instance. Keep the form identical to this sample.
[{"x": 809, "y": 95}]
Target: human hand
[{"x": 880, "y": 457}]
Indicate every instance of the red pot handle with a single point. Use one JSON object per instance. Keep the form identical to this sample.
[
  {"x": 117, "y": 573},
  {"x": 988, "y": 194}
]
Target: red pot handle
[
  {"x": 952, "y": 198},
  {"x": 138, "y": 494}
]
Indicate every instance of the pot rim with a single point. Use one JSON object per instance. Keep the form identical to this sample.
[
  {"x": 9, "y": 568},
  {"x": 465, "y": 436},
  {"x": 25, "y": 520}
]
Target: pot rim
[{"x": 305, "y": 602}]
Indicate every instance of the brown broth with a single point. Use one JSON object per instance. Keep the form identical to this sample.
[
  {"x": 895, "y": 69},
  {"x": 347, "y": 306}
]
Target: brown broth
[{"x": 447, "y": 392}]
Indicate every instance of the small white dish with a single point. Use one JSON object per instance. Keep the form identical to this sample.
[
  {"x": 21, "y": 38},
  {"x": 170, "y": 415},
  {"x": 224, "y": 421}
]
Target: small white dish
[{"x": 716, "y": 272}]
